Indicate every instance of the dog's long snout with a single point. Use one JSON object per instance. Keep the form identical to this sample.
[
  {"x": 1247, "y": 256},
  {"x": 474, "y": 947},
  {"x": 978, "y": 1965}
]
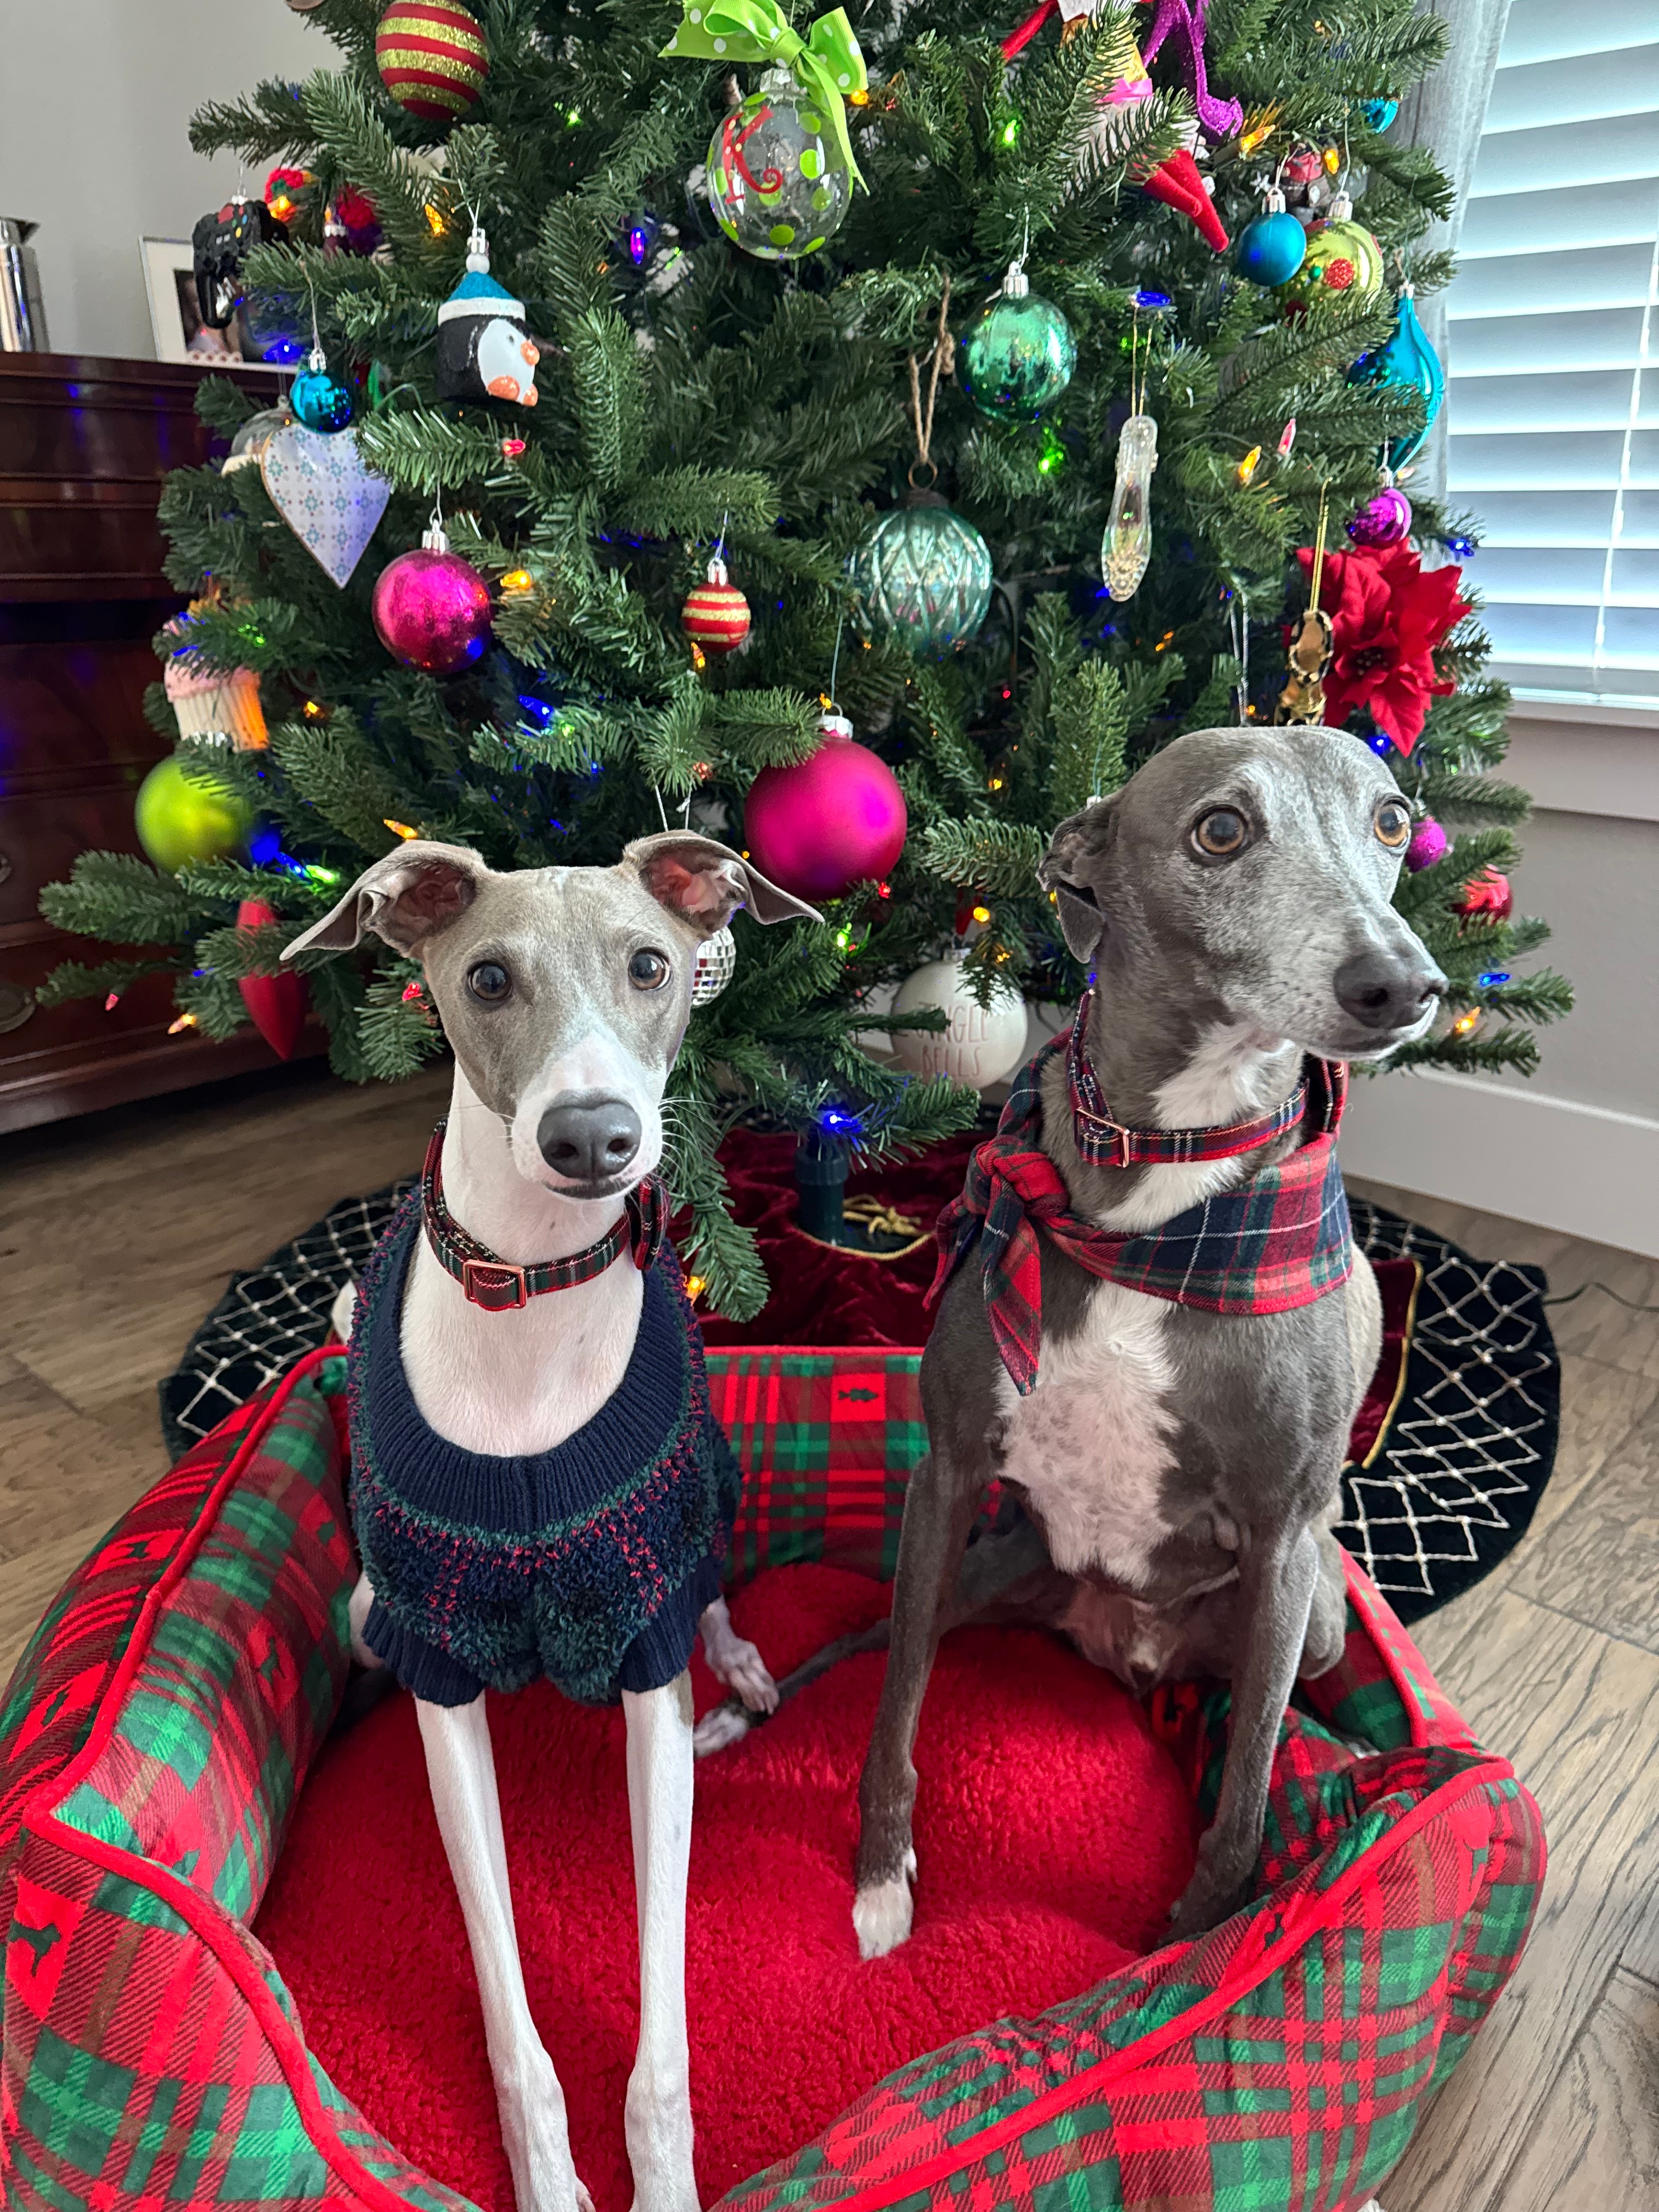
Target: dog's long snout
[
  {"x": 589, "y": 1139},
  {"x": 1385, "y": 990}
]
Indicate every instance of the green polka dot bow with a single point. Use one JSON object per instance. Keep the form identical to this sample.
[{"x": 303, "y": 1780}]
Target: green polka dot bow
[{"x": 826, "y": 63}]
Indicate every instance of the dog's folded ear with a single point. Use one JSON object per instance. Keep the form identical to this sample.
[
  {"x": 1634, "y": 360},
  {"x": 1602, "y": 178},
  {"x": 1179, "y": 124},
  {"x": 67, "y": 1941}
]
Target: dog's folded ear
[
  {"x": 1077, "y": 852},
  {"x": 405, "y": 897},
  {"x": 704, "y": 882}
]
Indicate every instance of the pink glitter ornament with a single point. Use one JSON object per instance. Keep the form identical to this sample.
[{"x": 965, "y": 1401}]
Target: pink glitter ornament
[
  {"x": 431, "y": 608},
  {"x": 1428, "y": 845},
  {"x": 828, "y": 823},
  {"x": 1384, "y": 519}
]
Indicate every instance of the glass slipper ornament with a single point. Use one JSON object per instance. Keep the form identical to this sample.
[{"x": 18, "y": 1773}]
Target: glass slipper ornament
[
  {"x": 1274, "y": 247},
  {"x": 1019, "y": 356},
  {"x": 318, "y": 399},
  {"x": 1126, "y": 545},
  {"x": 484, "y": 347},
  {"x": 1407, "y": 359},
  {"x": 776, "y": 184}
]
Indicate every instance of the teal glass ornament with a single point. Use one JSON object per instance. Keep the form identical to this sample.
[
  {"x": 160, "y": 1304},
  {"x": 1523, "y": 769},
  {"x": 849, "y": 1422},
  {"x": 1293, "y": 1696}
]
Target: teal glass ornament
[
  {"x": 1018, "y": 357},
  {"x": 1379, "y": 113},
  {"x": 1273, "y": 247},
  {"x": 317, "y": 400},
  {"x": 776, "y": 183},
  {"x": 924, "y": 574},
  {"x": 1408, "y": 359}
]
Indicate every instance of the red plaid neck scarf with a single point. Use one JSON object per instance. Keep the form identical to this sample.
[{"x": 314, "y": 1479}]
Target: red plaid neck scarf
[{"x": 1280, "y": 1241}]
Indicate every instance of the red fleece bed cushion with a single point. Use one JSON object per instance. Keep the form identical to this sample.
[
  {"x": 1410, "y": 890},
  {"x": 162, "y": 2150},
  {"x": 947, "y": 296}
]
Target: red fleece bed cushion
[{"x": 1053, "y": 1833}]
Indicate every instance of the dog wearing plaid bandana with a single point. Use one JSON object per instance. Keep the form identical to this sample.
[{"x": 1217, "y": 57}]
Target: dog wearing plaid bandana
[{"x": 1153, "y": 1326}]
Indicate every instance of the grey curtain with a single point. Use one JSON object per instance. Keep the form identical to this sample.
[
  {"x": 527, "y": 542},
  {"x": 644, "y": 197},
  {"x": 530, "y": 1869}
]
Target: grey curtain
[{"x": 1445, "y": 113}]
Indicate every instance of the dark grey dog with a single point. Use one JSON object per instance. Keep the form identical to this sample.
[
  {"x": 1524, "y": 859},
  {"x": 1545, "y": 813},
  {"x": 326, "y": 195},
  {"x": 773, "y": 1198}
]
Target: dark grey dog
[{"x": 1178, "y": 1467}]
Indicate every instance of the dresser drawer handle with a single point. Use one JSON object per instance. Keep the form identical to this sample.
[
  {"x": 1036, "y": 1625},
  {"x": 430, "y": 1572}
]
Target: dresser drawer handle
[
  {"x": 16, "y": 1004},
  {"x": 5, "y": 867}
]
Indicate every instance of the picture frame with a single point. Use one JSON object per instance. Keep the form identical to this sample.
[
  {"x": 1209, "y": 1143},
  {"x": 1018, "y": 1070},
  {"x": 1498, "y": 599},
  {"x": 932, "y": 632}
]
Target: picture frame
[{"x": 174, "y": 315}]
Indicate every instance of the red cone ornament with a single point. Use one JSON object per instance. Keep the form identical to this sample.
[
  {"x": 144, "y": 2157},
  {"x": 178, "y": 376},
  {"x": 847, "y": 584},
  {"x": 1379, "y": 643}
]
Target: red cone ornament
[
  {"x": 431, "y": 608},
  {"x": 716, "y": 614},
  {"x": 276, "y": 1005},
  {"x": 828, "y": 823},
  {"x": 1490, "y": 893}
]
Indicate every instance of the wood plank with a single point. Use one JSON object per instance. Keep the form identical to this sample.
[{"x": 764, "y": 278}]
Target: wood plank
[
  {"x": 1578, "y": 1714},
  {"x": 60, "y": 1468},
  {"x": 1594, "y": 2144},
  {"x": 1600, "y": 1564},
  {"x": 1600, "y": 1407}
]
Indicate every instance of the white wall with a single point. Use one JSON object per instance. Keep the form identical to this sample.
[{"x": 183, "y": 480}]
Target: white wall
[{"x": 96, "y": 102}]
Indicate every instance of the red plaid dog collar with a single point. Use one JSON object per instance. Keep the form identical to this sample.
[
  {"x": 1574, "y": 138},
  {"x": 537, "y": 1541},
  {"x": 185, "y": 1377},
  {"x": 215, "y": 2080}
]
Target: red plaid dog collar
[{"x": 500, "y": 1286}]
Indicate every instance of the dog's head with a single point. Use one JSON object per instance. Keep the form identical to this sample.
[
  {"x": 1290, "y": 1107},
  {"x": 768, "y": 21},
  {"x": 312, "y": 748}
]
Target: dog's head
[
  {"x": 564, "y": 992},
  {"x": 1252, "y": 871}
]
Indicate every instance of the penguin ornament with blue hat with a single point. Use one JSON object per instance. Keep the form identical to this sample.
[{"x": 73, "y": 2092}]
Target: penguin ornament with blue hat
[{"x": 484, "y": 347}]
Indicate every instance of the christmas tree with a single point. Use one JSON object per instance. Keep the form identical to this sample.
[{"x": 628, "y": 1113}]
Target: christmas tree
[{"x": 775, "y": 405}]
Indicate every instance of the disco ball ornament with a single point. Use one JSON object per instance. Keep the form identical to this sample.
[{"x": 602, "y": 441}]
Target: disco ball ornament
[
  {"x": 924, "y": 574},
  {"x": 317, "y": 400},
  {"x": 433, "y": 58},
  {"x": 1490, "y": 894},
  {"x": 179, "y": 818},
  {"x": 1429, "y": 843},
  {"x": 1018, "y": 357},
  {"x": 981, "y": 1045},
  {"x": 431, "y": 608},
  {"x": 1409, "y": 362},
  {"x": 1384, "y": 519},
  {"x": 776, "y": 182},
  {"x": 1273, "y": 248},
  {"x": 717, "y": 956},
  {"x": 826, "y": 824},
  {"x": 715, "y": 615},
  {"x": 1344, "y": 262}
]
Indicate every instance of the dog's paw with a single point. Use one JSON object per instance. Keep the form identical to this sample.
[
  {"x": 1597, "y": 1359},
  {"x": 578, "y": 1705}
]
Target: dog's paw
[
  {"x": 883, "y": 1913},
  {"x": 748, "y": 1674},
  {"x": 721, "y": 1726}
]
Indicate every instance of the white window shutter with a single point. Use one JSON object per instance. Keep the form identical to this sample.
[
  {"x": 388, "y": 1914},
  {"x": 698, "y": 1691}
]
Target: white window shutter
[{"x": 1553, "y": 370}]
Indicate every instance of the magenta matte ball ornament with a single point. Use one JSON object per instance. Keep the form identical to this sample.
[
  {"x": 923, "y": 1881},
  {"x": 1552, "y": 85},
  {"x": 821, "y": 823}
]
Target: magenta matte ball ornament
[
  {"x": 432, "y": 608},
  {"x": 1384, "y": 519},
  {"x": 828, "y": 823},
  {"x": 1428, "y": 845}
]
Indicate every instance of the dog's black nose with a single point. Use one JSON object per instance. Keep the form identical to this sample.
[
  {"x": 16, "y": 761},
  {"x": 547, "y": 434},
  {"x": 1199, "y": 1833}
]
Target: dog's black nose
[
  {"x": 1384, "y": 990},
  {"x": 589, "y": 1140}
]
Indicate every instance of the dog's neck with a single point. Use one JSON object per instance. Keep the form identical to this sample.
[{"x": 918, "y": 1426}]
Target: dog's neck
[
  {"x": 1165, "y": 1062},
  {"x": 519, "y": 1382}
]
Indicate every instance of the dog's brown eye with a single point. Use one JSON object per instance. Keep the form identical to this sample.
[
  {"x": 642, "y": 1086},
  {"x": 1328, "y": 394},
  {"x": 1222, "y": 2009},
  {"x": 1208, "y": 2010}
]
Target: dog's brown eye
[
  {"x": 1393, "y": 823},
  {"x": 489, "y": 980},
  {"x": 1222, "y": 832},
  {"x": 648, "y": 971}
]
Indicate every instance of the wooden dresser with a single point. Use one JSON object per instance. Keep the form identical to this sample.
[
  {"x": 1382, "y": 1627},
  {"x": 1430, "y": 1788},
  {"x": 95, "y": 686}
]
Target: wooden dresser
[{"x": 84, "y": 445}]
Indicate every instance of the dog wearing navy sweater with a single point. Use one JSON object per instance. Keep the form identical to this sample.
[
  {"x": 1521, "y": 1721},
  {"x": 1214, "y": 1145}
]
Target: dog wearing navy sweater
[{"x": 539, "y": 1485}]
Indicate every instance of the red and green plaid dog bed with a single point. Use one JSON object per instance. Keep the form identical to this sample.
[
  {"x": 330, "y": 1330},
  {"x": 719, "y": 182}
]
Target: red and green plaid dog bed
[{"x": 161, "y": 1722}]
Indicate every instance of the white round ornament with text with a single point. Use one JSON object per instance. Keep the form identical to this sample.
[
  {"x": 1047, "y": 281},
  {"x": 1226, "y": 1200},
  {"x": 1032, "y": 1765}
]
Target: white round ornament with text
[{"x": 982, "y": 1043}]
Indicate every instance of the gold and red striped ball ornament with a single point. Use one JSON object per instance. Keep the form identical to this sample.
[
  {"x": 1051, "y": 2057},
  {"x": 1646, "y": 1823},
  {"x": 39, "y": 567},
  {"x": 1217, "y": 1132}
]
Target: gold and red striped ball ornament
[
  {"x": 433, "y": 58},
  {"x": 716, "y": 614}
]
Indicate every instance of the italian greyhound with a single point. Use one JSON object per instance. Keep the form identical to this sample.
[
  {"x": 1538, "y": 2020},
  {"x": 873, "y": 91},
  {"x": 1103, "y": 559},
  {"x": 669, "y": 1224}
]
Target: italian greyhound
[
  {"x": 1177, "y": 1467},
  {"x": 564, "y": 994}
]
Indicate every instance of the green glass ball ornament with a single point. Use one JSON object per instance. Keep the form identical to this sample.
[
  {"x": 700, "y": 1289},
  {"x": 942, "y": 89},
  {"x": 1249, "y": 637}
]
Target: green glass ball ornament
[
  {"x": 1018, "y": 357},
  {"x": 1344, "y": 263},
  {"x": 776, "y": 182},
  {"x": 180, "y": 819},
  {"x": 924, "y": 574}
]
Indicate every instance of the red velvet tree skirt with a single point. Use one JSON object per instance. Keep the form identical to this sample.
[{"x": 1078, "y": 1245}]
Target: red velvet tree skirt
[{"x": 1040, "y": 1875}]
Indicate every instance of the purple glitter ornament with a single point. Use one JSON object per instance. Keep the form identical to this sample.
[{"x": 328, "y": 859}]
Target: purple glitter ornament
[
  {"x": 1428, "y": 845},
  {"x": 1384, "y": 519}
]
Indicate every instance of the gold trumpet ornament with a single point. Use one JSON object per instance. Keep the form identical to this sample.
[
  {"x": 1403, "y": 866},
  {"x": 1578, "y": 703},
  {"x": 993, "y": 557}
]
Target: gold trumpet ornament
[{"x": 1302, "y": 699}]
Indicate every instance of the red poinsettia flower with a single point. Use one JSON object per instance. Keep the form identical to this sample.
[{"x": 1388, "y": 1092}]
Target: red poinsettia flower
[{"x": 1388, "y": 616}]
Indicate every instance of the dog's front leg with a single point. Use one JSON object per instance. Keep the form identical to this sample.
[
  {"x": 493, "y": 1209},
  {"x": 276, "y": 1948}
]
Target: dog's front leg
[
  {"x": 657, "y": 2118},
  {"x": 1277, "y": 1572},
  {"x": 460, "y": 1765}
]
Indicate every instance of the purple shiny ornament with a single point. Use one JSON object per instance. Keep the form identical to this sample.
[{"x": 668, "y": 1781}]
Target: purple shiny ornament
[
  {"x": 1384, "y": 519},
  {"x": 432, "y": 608},
  {"x": 1428, "y": 845}
]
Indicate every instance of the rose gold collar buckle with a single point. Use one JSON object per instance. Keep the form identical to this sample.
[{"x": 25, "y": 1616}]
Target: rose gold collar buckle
[{"x": 495, "y": 1284}]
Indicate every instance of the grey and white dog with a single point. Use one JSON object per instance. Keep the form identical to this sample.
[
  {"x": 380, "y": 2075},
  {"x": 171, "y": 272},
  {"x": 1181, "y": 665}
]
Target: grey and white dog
[
  {"x": 564, "y": 994},
  {"x": 1178, "y": 1467}
]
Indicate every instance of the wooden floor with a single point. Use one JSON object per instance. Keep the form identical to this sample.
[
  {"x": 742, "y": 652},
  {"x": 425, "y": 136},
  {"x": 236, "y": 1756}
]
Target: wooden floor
[{"x": 118, "y": 1232}]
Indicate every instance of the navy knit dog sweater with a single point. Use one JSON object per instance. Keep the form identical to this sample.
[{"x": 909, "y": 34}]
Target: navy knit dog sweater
[{"x": 590, "y": 1564}]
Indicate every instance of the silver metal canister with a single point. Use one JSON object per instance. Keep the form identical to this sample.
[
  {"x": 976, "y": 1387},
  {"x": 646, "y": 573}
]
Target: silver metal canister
[{"x": 22, "y": 310}]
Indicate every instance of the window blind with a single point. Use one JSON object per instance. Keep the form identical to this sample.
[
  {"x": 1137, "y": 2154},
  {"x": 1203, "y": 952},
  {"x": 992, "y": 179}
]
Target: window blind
[{"x": 1552, "y": 393}]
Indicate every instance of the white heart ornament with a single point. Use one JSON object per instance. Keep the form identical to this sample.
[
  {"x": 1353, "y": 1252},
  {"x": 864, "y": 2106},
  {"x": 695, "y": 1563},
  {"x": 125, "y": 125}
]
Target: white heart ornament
[{"x": 326, "y": 492}]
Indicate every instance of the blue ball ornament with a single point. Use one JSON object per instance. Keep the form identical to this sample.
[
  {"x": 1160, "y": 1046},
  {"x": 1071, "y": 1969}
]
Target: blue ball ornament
[
  {"x": 1271, "y": 249},
  {"x": 1407, "y": 359},
  {"x": 1379, "y": 113},
  {"x": 317, "y": 400}
]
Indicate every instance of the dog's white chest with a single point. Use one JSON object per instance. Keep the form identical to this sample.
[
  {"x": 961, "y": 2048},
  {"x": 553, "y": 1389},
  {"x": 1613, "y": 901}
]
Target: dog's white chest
[{"x": 1091, "y": 1443}]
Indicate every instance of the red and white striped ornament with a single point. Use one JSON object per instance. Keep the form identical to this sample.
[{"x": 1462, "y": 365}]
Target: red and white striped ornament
[
  {"x": 716, "y": 614},
  {"x": 433, "y": 58}
]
